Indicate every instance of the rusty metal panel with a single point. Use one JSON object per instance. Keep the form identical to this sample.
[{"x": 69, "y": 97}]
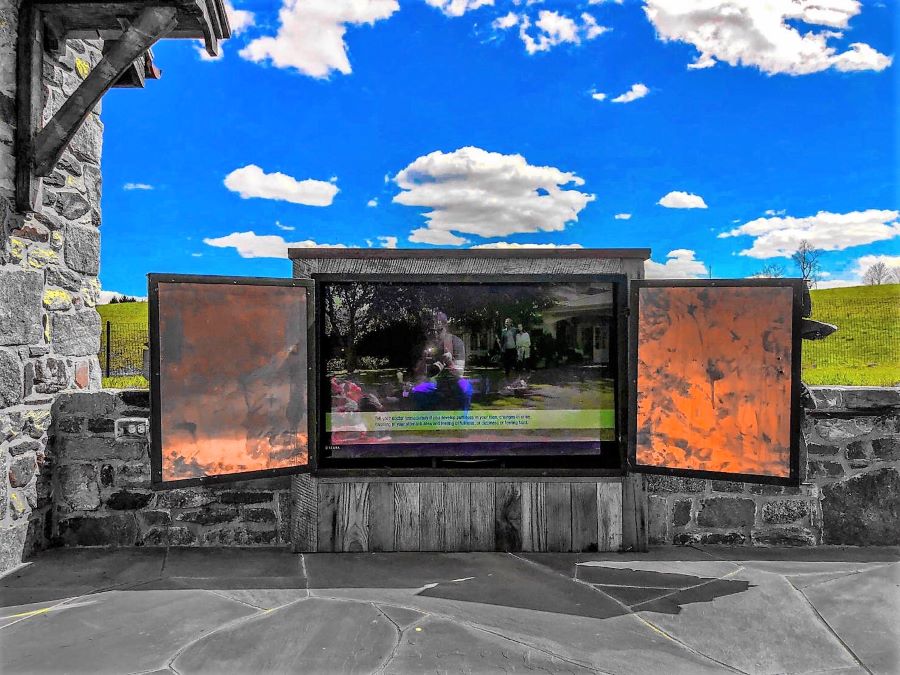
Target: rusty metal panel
[
  {"x": 715, "y": 378},
  {"x": 230, "y": 378}
]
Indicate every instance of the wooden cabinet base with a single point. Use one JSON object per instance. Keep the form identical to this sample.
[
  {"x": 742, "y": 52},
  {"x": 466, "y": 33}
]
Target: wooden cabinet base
[{"x": 330, "y": 515}]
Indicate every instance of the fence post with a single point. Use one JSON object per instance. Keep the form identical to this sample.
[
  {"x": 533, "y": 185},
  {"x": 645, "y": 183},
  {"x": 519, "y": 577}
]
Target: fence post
[{"x": 108, "y": 333}]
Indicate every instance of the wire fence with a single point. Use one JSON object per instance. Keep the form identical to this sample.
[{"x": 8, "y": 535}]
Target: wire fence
[
  {"x": 867, "y": 339},
  {"x": 122, "y": 348}
]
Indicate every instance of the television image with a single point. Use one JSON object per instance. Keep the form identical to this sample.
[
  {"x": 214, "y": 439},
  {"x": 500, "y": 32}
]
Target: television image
[{"x": 466, "y": 369}]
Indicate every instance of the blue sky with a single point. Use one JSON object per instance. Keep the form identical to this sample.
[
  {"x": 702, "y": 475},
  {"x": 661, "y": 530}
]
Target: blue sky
[{"x": 738, "y": 131}]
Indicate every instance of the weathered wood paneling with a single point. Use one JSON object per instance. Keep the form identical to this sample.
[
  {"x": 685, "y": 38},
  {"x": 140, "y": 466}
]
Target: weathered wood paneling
[
  {"x": 381, "y": 528},
  {"x": 406, "y": 516},
  {"x": 585, "y": 531},
  {"x": 508, "y": 517},
  {"x": 462, "y": 515},
  {"x": 431, "y": 516}
]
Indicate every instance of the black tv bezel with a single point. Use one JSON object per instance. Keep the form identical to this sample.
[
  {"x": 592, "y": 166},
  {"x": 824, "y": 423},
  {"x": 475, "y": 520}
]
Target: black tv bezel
[{"x": 530, "y": 464}]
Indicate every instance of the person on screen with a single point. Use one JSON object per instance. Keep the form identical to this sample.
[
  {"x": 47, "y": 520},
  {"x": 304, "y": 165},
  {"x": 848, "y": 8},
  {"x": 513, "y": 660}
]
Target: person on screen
[
  {"x": 507, "y": 343},
  {"x": 440, "y": 369},
  {"x": 523, "y": 348}
]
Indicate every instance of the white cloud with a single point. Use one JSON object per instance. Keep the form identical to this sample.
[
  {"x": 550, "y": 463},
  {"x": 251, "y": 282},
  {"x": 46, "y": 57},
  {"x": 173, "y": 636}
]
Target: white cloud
[
  {"x": 200, "y": 47},
  {"x": 757, "y": 34},
  {"x": 622, "y": 216},
  {"x": 372, "y": 203},
  {"x": 550, "y": 29},
  {"x": 196, "y": 255},
  {"x": 780, "y": 236},
  {"x": 286, "y": 228},
  {"x": 771, "y": 212},
  {"x": 507, "y": 244},
  {"x": 388, "y": 242},
  {"x": 682, "y": 200},
  {"x": 252, "y": 181},
  {"x": 857, "y": 270},
  {"x": 598, "y": 96},
  {"x": 252, "y": 245},
  {"x": 506, "y": 21},
  {"x": 239, "y": 19},
  {"x": 637, "y": 91},
  {"x": 310, "y": 36},
  {"x": 105, "y": 297},
  {"x": 473, "y": 191},
  {"x": 861, "y": 265},
  {"x": 458, "y": 7},
  {"x": 680, "y": 264},
  {"x": 137, "y": 186}
]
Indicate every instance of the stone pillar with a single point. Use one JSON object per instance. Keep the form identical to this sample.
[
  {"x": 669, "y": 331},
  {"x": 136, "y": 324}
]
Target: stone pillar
[{"x": 49, "y": 261}]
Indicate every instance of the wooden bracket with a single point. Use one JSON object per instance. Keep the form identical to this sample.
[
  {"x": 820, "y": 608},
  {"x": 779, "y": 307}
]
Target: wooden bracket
[{"x": 129, "y": 29}]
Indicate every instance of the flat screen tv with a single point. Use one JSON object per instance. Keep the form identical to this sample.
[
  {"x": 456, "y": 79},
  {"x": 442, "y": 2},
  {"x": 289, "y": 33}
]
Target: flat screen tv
[{"x": 464, "y": 370}]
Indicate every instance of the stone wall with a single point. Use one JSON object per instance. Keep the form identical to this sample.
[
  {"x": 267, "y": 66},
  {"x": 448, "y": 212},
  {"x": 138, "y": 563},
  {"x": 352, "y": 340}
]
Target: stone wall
[
  {"x": 101, "y": 485},
  {"x": 102, "y": 495},
  {"x": 49, "y": 330},
  {"x": 851, "y": 494}
]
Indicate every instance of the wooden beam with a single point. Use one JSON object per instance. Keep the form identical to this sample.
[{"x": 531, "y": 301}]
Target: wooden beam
[
  {"x": 152, "y": 24},
  {"x": 29, "y": 71}
]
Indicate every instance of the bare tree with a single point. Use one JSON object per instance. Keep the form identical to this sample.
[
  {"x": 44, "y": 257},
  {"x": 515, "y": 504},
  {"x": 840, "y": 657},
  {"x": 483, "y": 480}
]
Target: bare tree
[
  {"x": 807, "y": 258},
  {"x": 878, "y": 274},
  {"x": 771, "y": 271}
]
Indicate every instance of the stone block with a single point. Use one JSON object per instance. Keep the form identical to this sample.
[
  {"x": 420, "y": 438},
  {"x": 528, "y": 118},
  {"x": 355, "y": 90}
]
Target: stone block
[
  {"x": 87, "y": 404},
  {"x": 115, "y": 529},
  {"x": 20, "y": 306},
  {"x": 825, "y": 469},
  {"x": 134, "y": 474},
  {"x": 842, "y": 429},
  {"x": 70, "y": 425},
  {"x": 101, "y": 425},
  {"x": 208, "y": 516},
  {"x": 236, "y": 497},
  {"x": 726, "y": 512},
  {"x": 284, "y": 517},
  {"x": 12, "y": 544},
  {"x": 125, "y": 500},
  {"x": 857, "y": 450},
  {"x": 23, "y": 445},
  {"x": 727, "y": 486},
  {"x": 12, "y": 380},
  {"x": 135, "y": 398},
  {"x": 240, "y": 536},
  {"x": 21, "y": 469},
  {"x": 185, "y": 498},
  {"x": 784, "y": 537},
  {"x": 887, "y": 425},
  {"x": 675, "y": 484},
  {"x": 84, "y": 448},
  {"x": 49, "y": 375},
  {"x": 826, "y": 397},
  {"x": 57, "y": 300},
  {"x": 64, "y": 278},
  {"x": 681, "y": 514},
  {"x": 817, "y": 449},
  {"x": 107, "y": 475},
  {"x": 863, "y": 510},
  {"x": 70, "y": 204},
  {"x": 82, "y": 249},
  {"x": 153, "y": 517},
  {"x": 259, "y": 515},
  {"x": 168, "y": 536},
  {"x": 722, "y": 538},
  {"x": 863, "y": 398},
  {"x": 33, "y": 231},
  {"x": 762, "y": 489},
  {"x": 785, "y": 511},
  {"x": 887, "y": 449},
  {"x": 78, "y": 486},
  {"x": 76, "y": 333}
]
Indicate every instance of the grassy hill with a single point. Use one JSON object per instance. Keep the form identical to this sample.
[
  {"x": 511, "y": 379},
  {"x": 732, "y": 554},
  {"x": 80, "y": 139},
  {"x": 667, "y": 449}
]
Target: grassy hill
[
  {"x": 864, "y": 351},
  {"x": 866, "y": 347}
]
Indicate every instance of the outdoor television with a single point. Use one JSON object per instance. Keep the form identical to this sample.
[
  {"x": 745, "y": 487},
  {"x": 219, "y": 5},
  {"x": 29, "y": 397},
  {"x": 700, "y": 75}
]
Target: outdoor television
[{"x": 455, "y": 370}]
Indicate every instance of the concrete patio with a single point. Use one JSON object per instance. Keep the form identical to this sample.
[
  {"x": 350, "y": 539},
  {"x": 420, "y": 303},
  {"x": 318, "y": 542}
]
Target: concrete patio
[{"x": 674, "y": 610}]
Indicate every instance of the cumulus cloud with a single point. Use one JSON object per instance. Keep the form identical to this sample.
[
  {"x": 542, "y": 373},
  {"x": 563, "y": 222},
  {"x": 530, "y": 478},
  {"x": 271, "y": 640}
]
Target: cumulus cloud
[
  {"x": 387, "y": 242},
  {"x": 857, "y": 269},
  {"x": 680, "y": 264},
  {"x": 488, "y": 194},
  {"x": 239, "y": 19},
  {"x": 779, "y": 236},
  {"x": 637, "y": 91},
  {"x": 252, "y": 245},
  {"x": 765, "y": 35},
  {"x": 622, "y": 216},
  {"x": 310, "y": 36},
  {"x": 550, "y": 29},
  {"x": 598, "y": 96},
  {"x": 137, "y": 186},
  {"x": 252, "y": 181},
  {"x": 287, "y": 228},
  {"x": 458, "y": 7},
  {"x": 682, "y": 200},
  {"x": 508, "y": 244},
  {"x": 372, "y": 203}
]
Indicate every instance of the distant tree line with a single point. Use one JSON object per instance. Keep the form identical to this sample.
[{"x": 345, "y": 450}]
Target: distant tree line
[{"x": 807, "y": 258}]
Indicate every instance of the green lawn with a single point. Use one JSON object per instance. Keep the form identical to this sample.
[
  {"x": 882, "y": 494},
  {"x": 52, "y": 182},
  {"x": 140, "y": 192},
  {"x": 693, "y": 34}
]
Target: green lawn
[
  {"x": 126, "y": 319},
  {"x": 865, "y": 350}
]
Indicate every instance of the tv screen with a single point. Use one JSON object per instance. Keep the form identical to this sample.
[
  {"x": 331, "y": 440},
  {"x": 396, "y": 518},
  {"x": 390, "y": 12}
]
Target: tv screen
[{"x": 466, "y": 369}]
